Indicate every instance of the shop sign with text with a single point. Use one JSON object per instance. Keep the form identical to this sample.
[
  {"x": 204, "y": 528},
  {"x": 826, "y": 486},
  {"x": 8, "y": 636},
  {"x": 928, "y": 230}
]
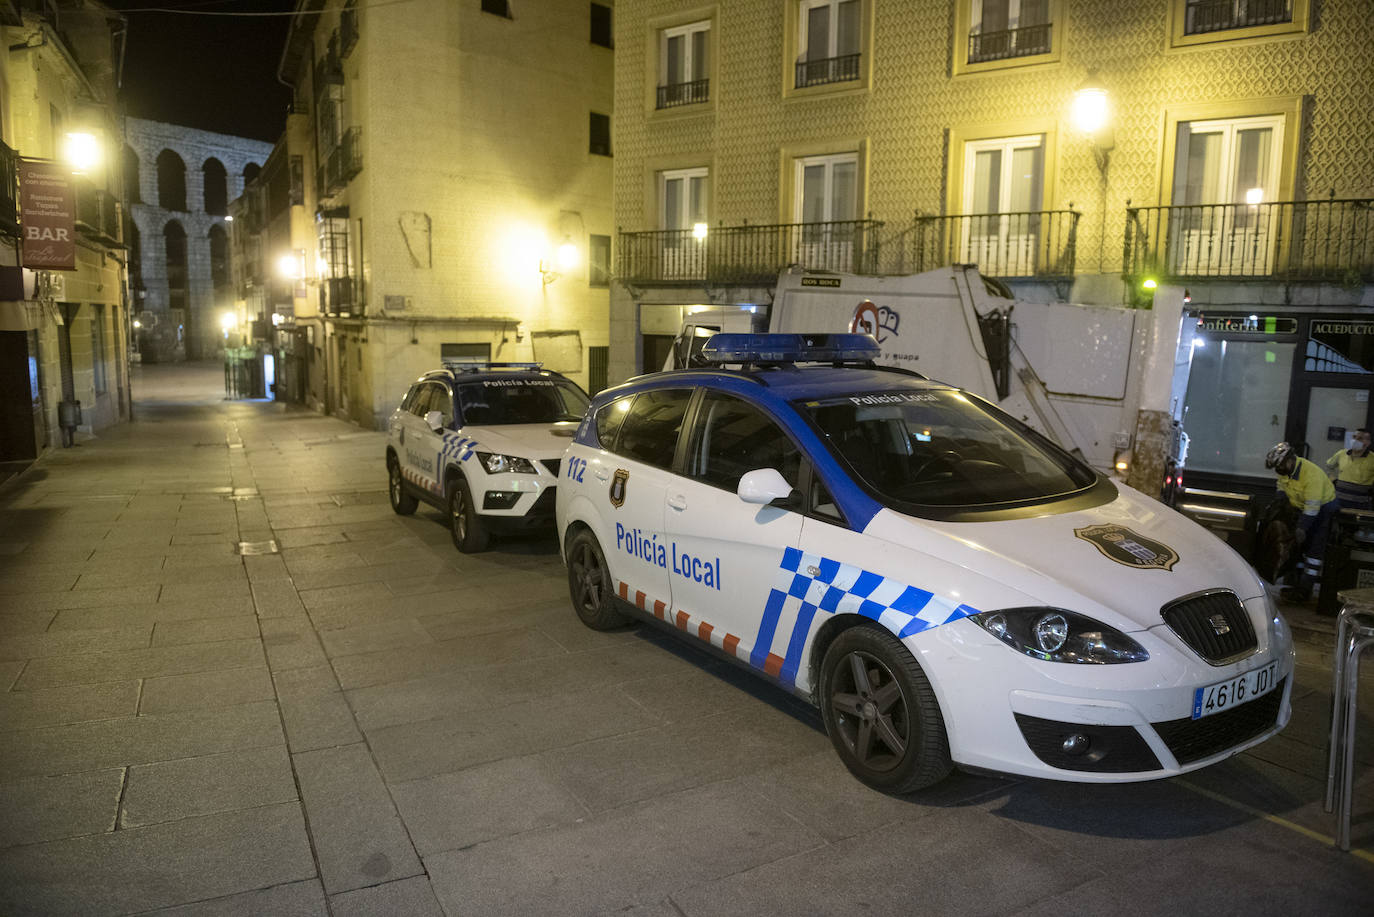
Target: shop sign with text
[{"x": 47, "y": 207}]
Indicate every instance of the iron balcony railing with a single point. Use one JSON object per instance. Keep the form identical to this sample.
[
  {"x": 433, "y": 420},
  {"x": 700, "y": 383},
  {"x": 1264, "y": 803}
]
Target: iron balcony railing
[
  {"x": 747, "y": 254},
  {"x": 1330, "y": 239},
  {"x": 829, "y": 70},
  {"x": 348, "y": 30},
  {"x": 675, "y": 94},
  {"x": 1027, "y": 40},
  {"x": 329, "y": 68},
  {"x": 1034, "y": 243},
  {"x": 336, "y": 297},
  {"x": 9, "y": 190},
  {"x": 342, "y": 163},
  {"x": 1204, "y": 16}
]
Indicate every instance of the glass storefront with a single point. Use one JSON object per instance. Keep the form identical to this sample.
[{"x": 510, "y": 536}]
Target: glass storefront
[{"x": 1258, "y": 379}]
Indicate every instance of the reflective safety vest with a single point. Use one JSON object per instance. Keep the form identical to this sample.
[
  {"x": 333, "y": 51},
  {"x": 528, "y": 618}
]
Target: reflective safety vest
[
  {"x": 1354, "y": 473},
  {"x": 1309, "y": 489}
]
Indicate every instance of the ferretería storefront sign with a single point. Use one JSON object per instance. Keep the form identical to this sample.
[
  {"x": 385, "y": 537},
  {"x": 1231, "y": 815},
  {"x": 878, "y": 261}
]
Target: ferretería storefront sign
[{"x": 47, "y": 206}]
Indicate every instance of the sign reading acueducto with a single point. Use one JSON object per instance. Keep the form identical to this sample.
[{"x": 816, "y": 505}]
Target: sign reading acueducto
[{"x": 47, "y": 204}]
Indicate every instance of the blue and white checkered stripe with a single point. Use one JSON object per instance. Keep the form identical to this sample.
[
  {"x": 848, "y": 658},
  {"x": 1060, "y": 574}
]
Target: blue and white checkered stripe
[
  {"x": 458, "y": 448},
  {"x": 807, "y": 583}
]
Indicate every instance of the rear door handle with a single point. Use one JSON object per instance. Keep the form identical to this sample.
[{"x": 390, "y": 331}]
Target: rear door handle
[
  {"x": 678, "y": 501},
  {"x": 602, "y": 473}
]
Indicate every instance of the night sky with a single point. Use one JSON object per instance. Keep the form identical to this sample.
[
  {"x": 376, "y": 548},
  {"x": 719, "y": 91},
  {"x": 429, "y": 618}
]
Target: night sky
[{"x": 216, "y": 73}]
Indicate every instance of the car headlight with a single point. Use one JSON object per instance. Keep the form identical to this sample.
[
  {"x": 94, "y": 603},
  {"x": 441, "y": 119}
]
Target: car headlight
[
  {"x": 1055, "y": 635},
  {"x": 495, "y": 463}
]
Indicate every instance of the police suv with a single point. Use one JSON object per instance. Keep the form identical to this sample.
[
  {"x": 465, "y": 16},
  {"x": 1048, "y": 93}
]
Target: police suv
[
  {"x": 482, "y": 441},
  {"x": 947, "y": 585}
]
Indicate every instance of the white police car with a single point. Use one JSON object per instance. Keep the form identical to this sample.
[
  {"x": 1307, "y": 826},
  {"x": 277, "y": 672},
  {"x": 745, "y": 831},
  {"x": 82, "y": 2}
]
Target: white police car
[
  {"x": 483, "y": 442},
  {"x": 947, "y": 585}
]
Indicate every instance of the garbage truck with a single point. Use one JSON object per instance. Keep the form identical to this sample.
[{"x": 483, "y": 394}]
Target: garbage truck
[{"x": 1100, "y": 381}]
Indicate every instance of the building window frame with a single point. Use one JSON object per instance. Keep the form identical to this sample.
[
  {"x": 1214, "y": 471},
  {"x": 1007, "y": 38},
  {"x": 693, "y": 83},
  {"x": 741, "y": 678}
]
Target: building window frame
[
  {"x": 602, "y": 31},
  {"x": 1288, "y": 108},
  {"x": 599, "y": 134},
  {"x": 598, "y": 260},
  {"x": 659, "y": 30},
  {"x": 1181, "y": 39},
  {"x": 695, "y": 86},
  {"x": 965, "y": 15},
  {"x": 684, "y": 202},
  {"x": 966, "y": 138},
  {"x": 795, "y": 43}
]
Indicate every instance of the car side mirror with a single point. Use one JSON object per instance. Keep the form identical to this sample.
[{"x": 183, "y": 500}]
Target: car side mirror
[
  {"x": 434, "y": 420},
  {"x": 767, "y": 486}
]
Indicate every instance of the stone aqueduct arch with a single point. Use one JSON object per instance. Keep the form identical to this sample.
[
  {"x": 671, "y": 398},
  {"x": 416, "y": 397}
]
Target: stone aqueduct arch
[{"x": 178, "y": 183}]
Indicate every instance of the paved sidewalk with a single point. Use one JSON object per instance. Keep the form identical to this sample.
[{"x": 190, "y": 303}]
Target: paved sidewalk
[{"x": 364, "y": 721}]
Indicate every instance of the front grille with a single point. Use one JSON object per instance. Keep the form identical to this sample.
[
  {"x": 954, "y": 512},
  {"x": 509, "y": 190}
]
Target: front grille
[
  {"x": 552, "y": 464},
  {"x": 1195, "y": 620},
  {"x": 1192, "y": 740},
  {"x": 1109, "y": 750}
]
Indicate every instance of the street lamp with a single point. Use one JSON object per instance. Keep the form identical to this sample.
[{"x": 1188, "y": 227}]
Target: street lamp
[{"x": 81, "y": 151}]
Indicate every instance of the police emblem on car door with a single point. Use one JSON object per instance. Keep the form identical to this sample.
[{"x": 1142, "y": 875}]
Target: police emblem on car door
[
  {"x": 1120, "y": 544},
  {"x": 618, "y": 487}
]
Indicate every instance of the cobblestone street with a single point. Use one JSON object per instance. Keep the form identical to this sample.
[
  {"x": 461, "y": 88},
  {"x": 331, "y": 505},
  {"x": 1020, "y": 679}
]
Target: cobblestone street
[{"x": 234, "y": 682}]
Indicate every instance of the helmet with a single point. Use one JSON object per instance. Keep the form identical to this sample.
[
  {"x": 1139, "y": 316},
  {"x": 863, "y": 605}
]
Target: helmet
[{"x": 1277, "y": 455}]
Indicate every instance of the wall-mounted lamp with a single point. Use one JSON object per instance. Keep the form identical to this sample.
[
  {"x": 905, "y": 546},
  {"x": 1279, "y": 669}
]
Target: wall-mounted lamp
[
  {"x": 81, "y": 150},
  {"x": 564, "y": 259},
  {"x": 699, "y": 231},
  {"x": 291, "y": 266},
  {"x": 1091, "y": 114}
]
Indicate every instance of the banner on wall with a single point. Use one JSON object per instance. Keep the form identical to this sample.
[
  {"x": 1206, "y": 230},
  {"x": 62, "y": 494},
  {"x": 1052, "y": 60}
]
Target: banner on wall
[{"x": 47, "y": 213}]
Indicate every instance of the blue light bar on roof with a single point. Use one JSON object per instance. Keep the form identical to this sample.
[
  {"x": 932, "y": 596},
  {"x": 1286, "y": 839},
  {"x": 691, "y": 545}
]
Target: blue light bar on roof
[
  {"x": 790, "y": 348},
  {"x": 474, "y": 364}
]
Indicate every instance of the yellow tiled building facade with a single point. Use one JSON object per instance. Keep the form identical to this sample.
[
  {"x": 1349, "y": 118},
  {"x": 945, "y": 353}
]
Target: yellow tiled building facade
[
  {"x": 927, "y": 103},
  {"x": 456, "y": 171}
]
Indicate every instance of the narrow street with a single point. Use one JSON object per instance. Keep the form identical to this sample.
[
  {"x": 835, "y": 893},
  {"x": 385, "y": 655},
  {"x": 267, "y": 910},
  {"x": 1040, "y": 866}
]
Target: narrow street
[{"x": 234, "y": 682}]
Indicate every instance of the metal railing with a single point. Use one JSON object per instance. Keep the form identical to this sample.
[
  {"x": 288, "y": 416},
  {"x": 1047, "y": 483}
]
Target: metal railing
[
  {"x": 1034, "y": 243},
  {"x": 674, "y": 94},
  {"x": 336, "y": 297},
  {"x": 348, "y": 30},
  {"x": 1000, "y": 45},
  {"x": 1204, "y": 16},
  {"x": 747, "y": 253},
  {"x": 828, "y": 70},
  {"x": 1330, "y": 239},
  {"x": 341, "y": 162}
]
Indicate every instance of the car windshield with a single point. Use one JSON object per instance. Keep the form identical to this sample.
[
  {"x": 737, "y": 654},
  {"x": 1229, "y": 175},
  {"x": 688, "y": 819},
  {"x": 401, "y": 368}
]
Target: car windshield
[
  {"x": 942, "y": 448},
  {"x": 509, "y": 401}
]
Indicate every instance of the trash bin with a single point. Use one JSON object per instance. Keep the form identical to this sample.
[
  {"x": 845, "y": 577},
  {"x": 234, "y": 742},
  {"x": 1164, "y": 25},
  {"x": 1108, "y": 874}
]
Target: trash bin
[{"x": 1349, "y": 561}]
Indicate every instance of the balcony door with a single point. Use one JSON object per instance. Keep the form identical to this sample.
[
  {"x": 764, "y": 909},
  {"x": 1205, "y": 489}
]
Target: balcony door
[
  {"x": 827, "y": 196},
  {"x": 829, "y": 42},
  {"x": 1226, "y": 175},
  {"x": 683, "y": 73},
  {"x": 1004, "y": 181},
  {"x": 682, "y": 208}
]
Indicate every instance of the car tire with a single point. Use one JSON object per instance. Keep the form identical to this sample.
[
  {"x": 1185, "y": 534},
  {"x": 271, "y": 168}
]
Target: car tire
[
  {"x": 881, "y": 713},
  {"x": 589, "y": 584},
  {"x": 469, "y": 532},
  {"x": 402, "y": 502}
]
